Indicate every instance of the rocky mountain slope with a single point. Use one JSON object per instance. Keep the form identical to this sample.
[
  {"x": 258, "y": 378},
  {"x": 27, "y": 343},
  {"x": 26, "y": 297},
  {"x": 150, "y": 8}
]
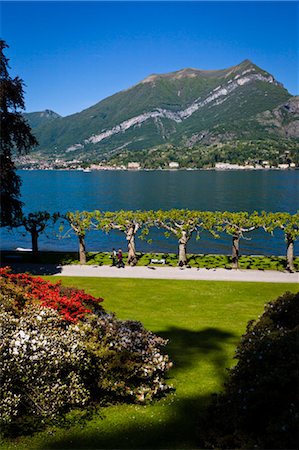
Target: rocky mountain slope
[
  {"x": 183, "y": 108},
  {"x": 283, "y": 120}
]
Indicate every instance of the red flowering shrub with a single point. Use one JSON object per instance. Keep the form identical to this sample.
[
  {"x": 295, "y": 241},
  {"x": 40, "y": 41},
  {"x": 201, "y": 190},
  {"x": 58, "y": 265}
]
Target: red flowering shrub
[{"x": 72, "y": 304}]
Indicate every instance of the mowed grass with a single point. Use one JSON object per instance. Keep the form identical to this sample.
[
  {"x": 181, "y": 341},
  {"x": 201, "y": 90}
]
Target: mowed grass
[{"x": 203, "y": 321}]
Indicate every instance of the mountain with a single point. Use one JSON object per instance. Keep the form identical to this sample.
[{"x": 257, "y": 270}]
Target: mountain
[
  {"x": 36, "y": 119},
  {"x": 283, "y": 120},
  {"x": 183, "y": 108}
]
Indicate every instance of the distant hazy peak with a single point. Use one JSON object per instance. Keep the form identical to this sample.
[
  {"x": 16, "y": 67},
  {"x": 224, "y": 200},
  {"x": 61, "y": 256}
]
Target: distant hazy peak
[
  {"x": 48, "y": 113},
  {"x": 38, "y": 118}
]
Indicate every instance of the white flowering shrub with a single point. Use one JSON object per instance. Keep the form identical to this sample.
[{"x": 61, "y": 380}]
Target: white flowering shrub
[
  {"x": 42, "y": 366},
  {"x": 128, "y": 362}
]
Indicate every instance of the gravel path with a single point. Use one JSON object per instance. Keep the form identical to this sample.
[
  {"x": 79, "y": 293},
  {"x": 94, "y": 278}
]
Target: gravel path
[
  {"x": 176, "y": 273},
  {"x": 167, "y": 273}
]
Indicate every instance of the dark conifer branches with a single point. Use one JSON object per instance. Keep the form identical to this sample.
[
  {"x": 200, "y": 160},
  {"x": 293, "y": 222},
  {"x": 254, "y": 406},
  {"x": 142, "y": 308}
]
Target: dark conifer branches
[{"x": 15, "y": 137}]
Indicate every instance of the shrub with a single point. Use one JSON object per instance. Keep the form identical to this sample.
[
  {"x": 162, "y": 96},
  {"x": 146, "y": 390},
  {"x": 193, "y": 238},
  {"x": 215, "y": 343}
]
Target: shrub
[
  {"x": 42, "y": 366},
  {"x": 258, "y": 408},
  {"x": 127, "y": 359},
  {"x": 72, "y": 304},
  {"x": 57, "y": 354}
]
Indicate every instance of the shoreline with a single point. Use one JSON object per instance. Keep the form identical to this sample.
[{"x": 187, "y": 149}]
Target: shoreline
[{"x": 241, "y": 168}]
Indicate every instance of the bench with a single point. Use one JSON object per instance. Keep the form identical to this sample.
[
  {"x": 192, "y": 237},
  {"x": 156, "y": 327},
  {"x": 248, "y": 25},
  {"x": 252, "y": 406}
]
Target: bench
[{"x": 158, "y": 261}]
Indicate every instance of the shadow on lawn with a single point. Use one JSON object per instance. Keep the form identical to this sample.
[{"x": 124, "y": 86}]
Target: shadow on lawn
[
  {"x": 33, "y": 268},
  {"x": 178, "y": 430},
  {"x": 186, "y": 347}
]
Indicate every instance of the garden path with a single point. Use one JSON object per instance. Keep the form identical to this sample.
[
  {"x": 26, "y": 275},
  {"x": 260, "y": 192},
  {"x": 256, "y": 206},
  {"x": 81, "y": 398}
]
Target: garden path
[{"x": 176, "y": 273}]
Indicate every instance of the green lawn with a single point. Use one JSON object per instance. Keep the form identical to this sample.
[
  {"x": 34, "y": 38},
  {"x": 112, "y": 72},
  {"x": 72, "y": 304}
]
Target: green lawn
[{"x": 203, "y": 321}]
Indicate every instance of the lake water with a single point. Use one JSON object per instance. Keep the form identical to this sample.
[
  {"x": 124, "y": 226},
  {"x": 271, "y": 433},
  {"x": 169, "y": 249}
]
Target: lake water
[{"x": 112, "y": 190}]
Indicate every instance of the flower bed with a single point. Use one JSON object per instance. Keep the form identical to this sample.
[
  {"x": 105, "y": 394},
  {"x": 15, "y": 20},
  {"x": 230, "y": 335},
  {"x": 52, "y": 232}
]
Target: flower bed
[
  {"x": 72, "y": 304},
  {"x": 60, "y": 349}
]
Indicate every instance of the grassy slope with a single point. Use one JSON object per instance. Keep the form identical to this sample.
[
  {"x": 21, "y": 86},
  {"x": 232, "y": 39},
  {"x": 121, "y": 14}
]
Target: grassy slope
[{"x": 203, "y": 321}]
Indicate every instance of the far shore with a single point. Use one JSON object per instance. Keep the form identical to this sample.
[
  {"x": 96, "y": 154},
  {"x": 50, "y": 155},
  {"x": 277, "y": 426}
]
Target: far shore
[{"x": 240, "y": 168}]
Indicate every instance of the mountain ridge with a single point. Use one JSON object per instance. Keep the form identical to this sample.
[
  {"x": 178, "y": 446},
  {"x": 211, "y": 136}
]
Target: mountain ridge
[{"x": 183, "y": 107}]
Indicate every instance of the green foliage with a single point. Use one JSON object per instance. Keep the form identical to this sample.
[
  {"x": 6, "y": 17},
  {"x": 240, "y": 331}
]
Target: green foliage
[
  {"x": 289, "y": 223},
  {"x": 178, "y": 221},
  {"x": 121, "y": 220},
  {"x": 15, "y": 136},
  {"x": 258, "y": 408},
  {"x": 206, "y": 154},
  {"x": 36, "y": 221},
  {"x": 79, "y": 221},
  {"x": 237, "y": 223}
]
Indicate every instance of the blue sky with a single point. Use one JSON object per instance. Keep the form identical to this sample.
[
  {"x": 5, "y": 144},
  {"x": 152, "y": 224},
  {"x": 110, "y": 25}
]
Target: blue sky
[{"x": 73, "y": 54}]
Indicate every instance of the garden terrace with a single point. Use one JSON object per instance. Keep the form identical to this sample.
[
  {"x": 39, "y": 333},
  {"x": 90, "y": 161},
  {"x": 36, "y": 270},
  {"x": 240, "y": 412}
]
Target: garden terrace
[{"x": 203, "y": 321}]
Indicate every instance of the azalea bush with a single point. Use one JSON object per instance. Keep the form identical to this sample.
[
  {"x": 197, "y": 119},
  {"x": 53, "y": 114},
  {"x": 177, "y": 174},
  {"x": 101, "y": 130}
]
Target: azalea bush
[
  {"x": 42, "y": 365},
  {"x": 129, "y": 356},
  {"x": 259, "y": 406},
  {"x": 59, "y": 349},
  {"x": 72, "y": 304}
]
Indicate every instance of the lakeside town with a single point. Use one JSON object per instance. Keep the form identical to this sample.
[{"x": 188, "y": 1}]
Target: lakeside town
[{"x": 30, "y": 163}]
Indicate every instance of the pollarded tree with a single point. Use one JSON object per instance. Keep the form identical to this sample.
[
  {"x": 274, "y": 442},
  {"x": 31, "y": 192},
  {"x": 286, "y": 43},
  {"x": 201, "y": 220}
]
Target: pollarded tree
[
  {"x": 35, "y": 223},
  {"x": 15, "y": 136},
  {"x": 80, "y": 223},
  {"x": 182, "y": 223},
  {"x": 237, "y": 224},
  {"x": 208, "y": 221},
  {"x": 289, "y": 224},
  {"x": 129, "y": 222}
]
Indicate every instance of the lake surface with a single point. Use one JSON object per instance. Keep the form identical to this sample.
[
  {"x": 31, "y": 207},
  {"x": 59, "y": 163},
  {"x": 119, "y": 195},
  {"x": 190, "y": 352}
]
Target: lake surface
[{"x": 112, "y": 190}]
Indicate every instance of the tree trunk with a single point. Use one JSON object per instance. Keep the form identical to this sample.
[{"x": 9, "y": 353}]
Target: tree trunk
[
  {"x": 130, "y": 236},
  {"x": 290, "y": 254},
  {"x": 183, "y": 249},
  {"x": 235, "y": 251},
  {"x": 34, "y": 240},
  {"x": 82, "y": 250}
]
